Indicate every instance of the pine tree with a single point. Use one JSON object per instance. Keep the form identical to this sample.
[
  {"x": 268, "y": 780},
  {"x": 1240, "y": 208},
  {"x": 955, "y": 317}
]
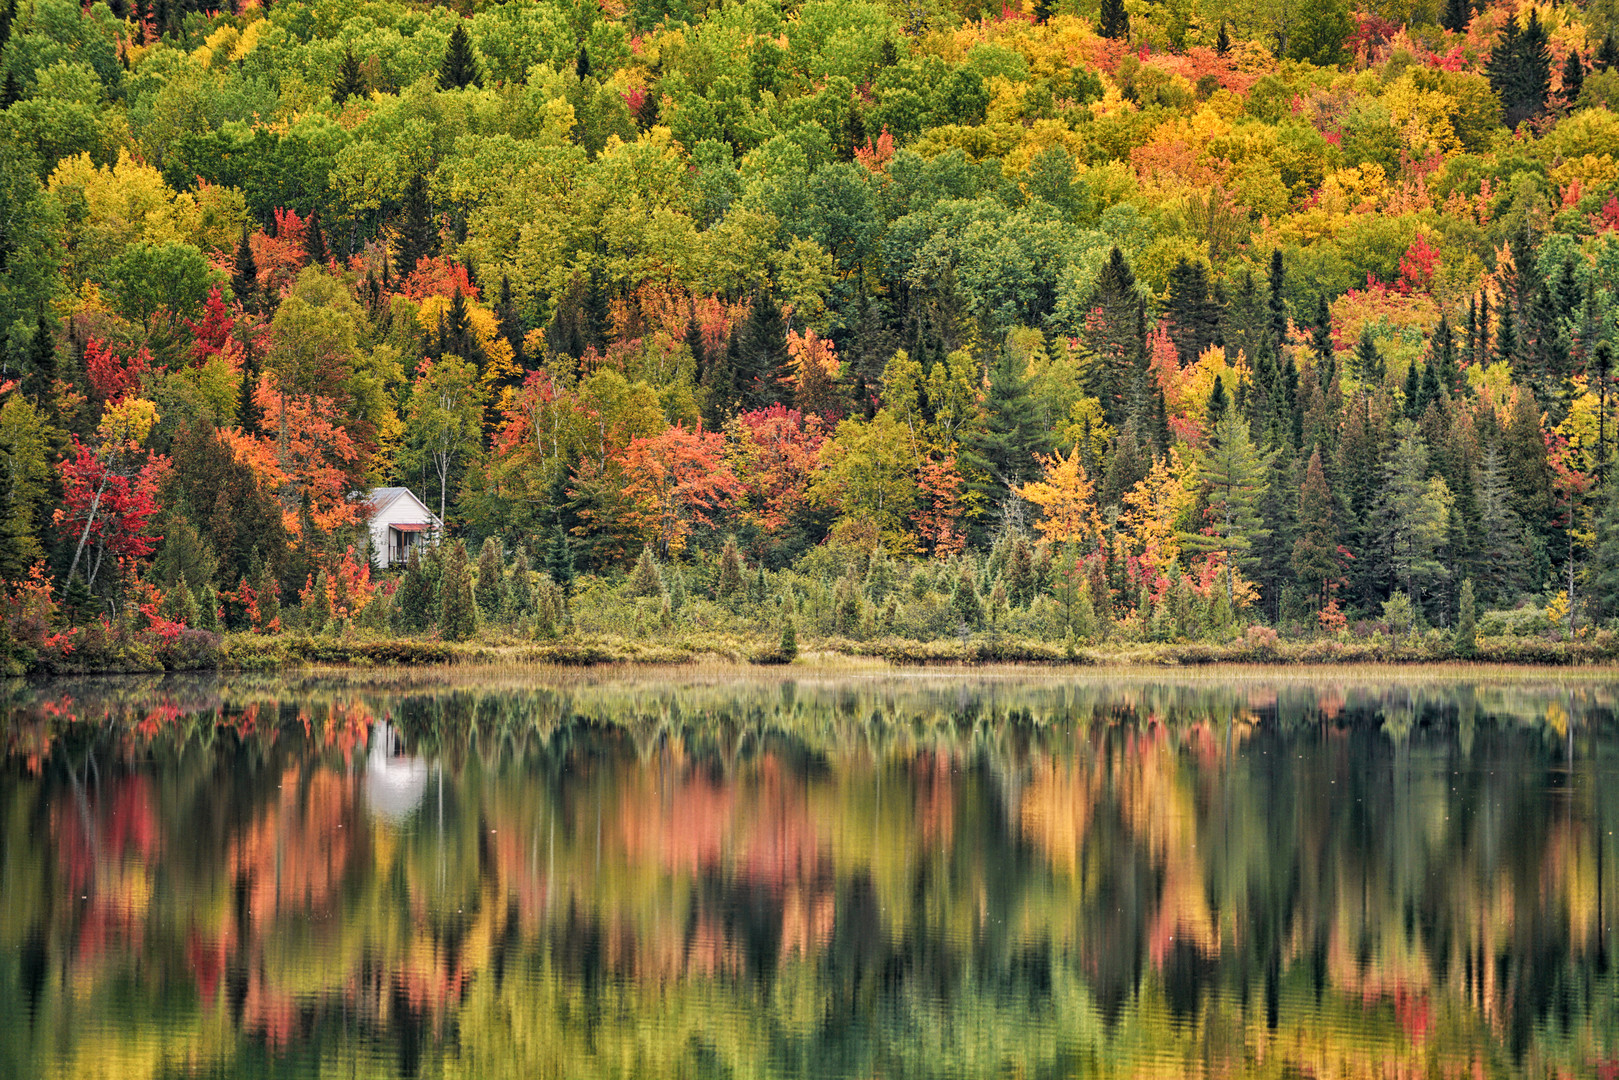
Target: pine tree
[
  {"x": 1605, "y": 556},
  {"x": 1114, "y": 21},
  {"x": 244, "y": 278},
  {"x": 459, "y": 68},
  {"x": 1573, "y": 78},
  {"x": 491, "y": 588},
  {"x": 458, "y": 611},
  {"x": 350, "y": 82},
  {"x": 418, "y": 237},
  {"x": 1117, "y": 337}
]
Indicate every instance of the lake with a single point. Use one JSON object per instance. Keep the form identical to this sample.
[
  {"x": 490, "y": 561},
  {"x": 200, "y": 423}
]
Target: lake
[{"x": 717, "y": 873}]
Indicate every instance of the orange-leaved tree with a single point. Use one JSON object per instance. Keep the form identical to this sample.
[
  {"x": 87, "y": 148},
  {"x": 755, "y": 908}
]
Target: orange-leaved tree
[{"x": 677, "y": 478}]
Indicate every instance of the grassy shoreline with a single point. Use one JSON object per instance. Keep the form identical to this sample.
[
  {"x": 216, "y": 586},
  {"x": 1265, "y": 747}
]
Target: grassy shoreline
[{"x": 260, "y": 652}]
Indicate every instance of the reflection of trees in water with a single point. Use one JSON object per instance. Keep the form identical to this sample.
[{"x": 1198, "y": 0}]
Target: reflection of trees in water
[{"x": 796, "y": 874}]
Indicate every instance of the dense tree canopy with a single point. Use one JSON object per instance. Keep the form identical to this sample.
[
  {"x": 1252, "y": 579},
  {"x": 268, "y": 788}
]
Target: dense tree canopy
[{"x": 1132, "y": 292}]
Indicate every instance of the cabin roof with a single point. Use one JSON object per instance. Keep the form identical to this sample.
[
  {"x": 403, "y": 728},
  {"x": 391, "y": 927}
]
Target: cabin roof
[{"x": 382, "y": 498}]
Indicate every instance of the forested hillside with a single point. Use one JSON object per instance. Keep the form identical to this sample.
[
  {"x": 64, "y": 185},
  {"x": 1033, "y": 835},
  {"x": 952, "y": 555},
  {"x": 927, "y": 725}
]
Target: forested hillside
[{"x": 1150, "y": 321}]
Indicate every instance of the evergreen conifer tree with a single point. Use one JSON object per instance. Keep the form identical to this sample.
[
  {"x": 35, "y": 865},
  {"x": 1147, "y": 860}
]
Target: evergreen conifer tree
[
  {"x": 459, "y": 68},
  {"x": 1608, "y": 52},
  {"x": 1114, "y": 21},
  {"x": 647, "y": 579},
  {"x": 1456, "y": 16},
  {"x": 1222, "y": 43},
  {"x": 458, "y": 611},
  {"x": 350, "y": 82},
  {"x": 244, "y": 278},
  {"x": 1005, "y": 448},
  {"x": 1573, "y": 78},
  {"x": 418, "y": 237},
  {"x": 491, "y": 588},
  {"x": 788, "y": 647},
  {"x": 559, "y": 561},
  {"x": 414, "y": 599},
  {"x": 1466, "y": 639},
  {"x": 317, "y": 608},
  {"x": 520, "y": 590},
  {"x": 315, "y": 241},
  {"x": 728, "y": 581},
  {"x": 1368, "y": 360},
  {"x": 1194, "y": 313}
]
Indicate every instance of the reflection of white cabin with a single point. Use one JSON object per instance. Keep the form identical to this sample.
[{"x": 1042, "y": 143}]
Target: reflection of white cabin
[
  {"x": 394, "y": 779},
  {"x": 399, "y": 521}
]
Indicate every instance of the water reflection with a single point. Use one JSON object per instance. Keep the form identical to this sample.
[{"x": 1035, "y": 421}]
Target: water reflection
[{"x": 699, "y": 876}]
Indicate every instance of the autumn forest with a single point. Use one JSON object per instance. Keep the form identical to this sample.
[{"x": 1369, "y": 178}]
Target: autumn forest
[{"x": 1200, "y": 323}]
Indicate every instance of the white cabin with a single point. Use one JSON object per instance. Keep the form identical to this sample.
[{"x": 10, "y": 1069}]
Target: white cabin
[{"x": 399, "y": 521}]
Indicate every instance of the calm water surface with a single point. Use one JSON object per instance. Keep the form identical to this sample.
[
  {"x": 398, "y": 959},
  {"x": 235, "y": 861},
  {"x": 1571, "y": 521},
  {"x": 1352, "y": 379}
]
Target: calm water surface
[{"x": 699, "y": 874}]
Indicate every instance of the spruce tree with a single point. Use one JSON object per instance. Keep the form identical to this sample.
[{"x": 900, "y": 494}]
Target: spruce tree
[
  {"x": 1114, "y": 21},
  {"x": 459, "y": 68},
  {"x": 1278, "y": 299},
  {"x": 10, "y": 92},
  {"x": 1456, "y": 16},
  {"x": 417, "y": 231},
  {"x": 728, "y": 581},
  {"x": 39, "y": 374},
  {"x": 1608, "y": 52},
  {"x": 511, "y": 325},
  {"x": 1194, "y": 314},
  {"x": 1605, "y": 556},
  {"x": 1222, "y": 43},
  {"x": 315, "y": 253},
  {"x": 788, "y": 646},
  {"x": 647, "y": 579},
  {"x": 1520, "y": 69},
  {"x": 491, "y": 588},
  {"x": 350, "y": 82},
  {"x": 1573, "y": 78},
  {"x": 458, "y": 611},
  {"x": 244, "y": 278},
  {"x": 559, "y": 561},
  {"x": 520, "y": 591},
  {"x": 1005, "y": 448},
  {"x": 1466, "y": 638},
  {"x": 964, "y": 601},
  {"x": 414, "y": 599},
  {"x": 1368, "y": 360},
  {"x": 1442, "y": 356}
]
